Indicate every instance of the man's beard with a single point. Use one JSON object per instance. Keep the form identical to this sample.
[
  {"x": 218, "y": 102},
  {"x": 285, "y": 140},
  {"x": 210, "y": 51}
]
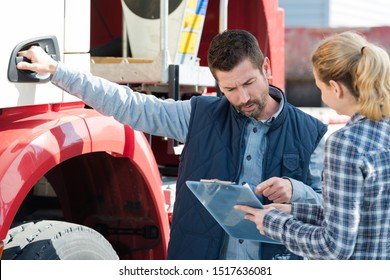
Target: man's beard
[{"x": 256, "y": 112}]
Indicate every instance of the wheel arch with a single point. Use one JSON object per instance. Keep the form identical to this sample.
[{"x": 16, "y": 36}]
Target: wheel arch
[{"x": 80, "y": 136}]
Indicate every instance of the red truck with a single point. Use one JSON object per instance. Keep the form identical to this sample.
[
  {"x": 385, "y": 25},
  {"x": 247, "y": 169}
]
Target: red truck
[{"x": 75, "y": 184}]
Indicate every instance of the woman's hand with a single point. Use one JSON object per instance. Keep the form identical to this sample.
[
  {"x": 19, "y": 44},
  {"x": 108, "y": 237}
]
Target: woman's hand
[
  {"x": 282, "y": 207},
  {"x": 255, "y": 215}
]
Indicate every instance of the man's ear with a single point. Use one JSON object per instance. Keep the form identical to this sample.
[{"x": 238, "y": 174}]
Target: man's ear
[
  {"x": 267, "y": 68},
  {"x": 336, "y": 88}
]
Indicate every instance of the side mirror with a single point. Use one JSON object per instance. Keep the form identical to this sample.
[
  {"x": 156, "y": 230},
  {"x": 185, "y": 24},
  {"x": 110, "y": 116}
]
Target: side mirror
[{"x": 48, "y": 43}]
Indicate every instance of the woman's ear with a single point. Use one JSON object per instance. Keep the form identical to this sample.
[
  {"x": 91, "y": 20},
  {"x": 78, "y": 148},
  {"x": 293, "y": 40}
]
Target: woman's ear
[{"x": 337, "y": 89}]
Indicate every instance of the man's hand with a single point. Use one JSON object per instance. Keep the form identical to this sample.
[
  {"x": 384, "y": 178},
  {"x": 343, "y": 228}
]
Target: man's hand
[
  {"x": 41, "y": 62},
  {"x": 276, "y": 189}
]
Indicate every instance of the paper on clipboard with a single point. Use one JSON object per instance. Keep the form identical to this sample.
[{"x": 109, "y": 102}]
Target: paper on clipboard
[{"x": 219, "y": 199}]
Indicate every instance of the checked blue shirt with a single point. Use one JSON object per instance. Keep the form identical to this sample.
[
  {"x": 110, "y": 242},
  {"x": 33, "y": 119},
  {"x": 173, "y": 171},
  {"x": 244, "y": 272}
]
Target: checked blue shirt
[{"x": 354, "y": 222}]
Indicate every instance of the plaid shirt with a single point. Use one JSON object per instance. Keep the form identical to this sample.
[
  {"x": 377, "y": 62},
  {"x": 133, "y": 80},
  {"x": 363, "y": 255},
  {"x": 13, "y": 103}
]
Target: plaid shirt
[{"x": 354, "y": 221}]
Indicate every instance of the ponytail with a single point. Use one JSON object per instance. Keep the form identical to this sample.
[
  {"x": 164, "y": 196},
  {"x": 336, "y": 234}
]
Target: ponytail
[
  {"x": 362, "y": 67},
  {"x": 373, "y": 83}
]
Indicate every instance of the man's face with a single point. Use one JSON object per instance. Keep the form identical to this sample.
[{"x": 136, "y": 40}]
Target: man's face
[{"x": 246, "y": 87}]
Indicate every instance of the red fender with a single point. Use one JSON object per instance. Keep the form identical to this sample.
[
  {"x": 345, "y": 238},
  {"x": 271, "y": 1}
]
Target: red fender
[{"x": 34, "y": 139}]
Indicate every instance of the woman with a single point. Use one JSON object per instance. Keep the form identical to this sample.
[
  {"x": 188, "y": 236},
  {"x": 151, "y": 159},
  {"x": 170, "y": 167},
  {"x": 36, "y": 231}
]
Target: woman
[{"x": 354, "y": 220}]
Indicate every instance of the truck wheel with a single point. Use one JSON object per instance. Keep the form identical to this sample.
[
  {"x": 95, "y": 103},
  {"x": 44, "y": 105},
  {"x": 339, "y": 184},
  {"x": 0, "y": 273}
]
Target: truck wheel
[{"x": 56, "y": 240}]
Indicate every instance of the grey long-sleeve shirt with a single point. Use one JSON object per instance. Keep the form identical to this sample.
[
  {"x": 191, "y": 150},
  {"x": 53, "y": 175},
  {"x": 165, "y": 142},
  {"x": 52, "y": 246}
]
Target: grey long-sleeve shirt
[{"x": 171, "y": 118}]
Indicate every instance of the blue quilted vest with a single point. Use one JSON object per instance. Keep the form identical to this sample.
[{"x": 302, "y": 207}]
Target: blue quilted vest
[{"x": 214, "y": 149}]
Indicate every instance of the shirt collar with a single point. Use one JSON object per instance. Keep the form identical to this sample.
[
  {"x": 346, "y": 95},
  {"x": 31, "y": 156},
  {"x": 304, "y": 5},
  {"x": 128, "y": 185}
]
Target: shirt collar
[{"x": 356, "y": 118}]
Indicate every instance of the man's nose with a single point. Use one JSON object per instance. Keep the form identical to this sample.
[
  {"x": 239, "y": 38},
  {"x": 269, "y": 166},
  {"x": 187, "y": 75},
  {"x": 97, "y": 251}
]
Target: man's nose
[{"x": 244, "y": 95}]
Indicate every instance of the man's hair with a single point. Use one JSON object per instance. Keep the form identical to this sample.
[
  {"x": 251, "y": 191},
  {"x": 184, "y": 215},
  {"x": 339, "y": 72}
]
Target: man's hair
[{"x": 231, "y": 47}]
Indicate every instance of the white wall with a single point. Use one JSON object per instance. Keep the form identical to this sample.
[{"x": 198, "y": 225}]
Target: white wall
[
  {"x": 358, "y": 13},
  {"x": 336, "y": 13},
  {"x": 299, "y": 13}
]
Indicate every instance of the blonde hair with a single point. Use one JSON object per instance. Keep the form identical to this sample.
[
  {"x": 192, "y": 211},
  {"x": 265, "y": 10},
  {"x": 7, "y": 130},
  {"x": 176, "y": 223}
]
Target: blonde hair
[{"x": 364, "y": 68}]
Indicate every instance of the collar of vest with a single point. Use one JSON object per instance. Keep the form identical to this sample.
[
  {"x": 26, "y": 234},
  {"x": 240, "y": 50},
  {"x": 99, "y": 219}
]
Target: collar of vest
[{"x": 280, "y": 119}]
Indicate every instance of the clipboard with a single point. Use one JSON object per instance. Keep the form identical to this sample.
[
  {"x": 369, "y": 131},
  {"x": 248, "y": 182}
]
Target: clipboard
[{"x": 219, "y": 198}]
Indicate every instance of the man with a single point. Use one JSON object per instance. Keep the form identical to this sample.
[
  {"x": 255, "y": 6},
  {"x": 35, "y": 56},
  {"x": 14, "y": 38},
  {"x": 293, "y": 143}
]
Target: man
[{"x": 251, "y": 135}]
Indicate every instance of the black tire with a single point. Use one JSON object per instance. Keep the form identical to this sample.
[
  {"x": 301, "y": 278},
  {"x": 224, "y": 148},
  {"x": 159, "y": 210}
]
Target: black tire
[{"x": 56, "y": 240}]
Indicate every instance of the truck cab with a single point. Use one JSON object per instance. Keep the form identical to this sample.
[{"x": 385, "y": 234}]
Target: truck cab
[
  {"x": 75, "y": 184},
  {"x": 71, "y": 180}
]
